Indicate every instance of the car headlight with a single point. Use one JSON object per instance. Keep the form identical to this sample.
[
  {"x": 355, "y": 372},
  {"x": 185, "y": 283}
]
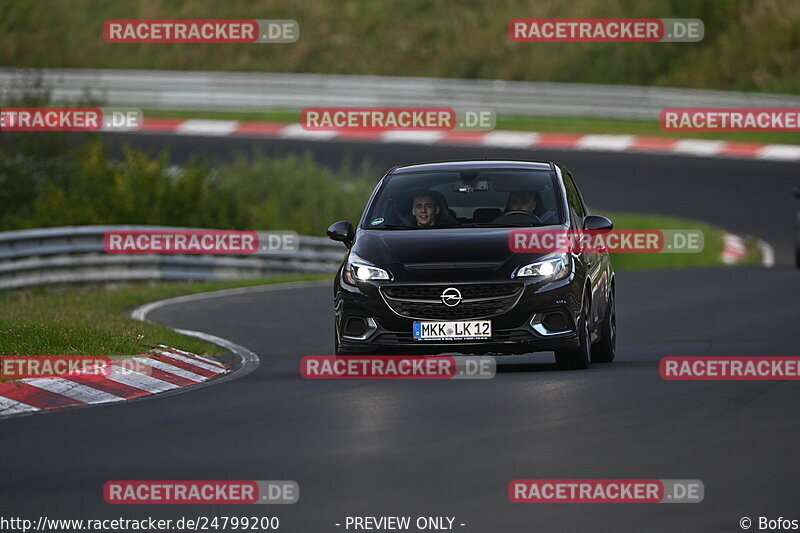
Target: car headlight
[
  {"x": 553, "y": 267},
  {"x": 358, "y": 269}
]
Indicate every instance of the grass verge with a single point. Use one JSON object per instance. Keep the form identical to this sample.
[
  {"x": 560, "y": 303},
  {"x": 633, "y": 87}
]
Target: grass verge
[
  {"x": 94, "y": 320},
  {"x": 710, "y": 256}
]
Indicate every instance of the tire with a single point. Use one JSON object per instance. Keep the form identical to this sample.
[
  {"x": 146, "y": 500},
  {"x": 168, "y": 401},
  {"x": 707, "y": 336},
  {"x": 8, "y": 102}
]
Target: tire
[
  {"x": 578, "y": 358},
  {"x": 797, "y": 250},
  {"x": 797, "y": 241},
  {"x": 604, "y": 350}
]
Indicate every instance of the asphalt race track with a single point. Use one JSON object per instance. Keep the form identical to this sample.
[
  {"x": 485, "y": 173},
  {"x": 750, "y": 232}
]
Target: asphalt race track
[{"x": 450, "y": 448}]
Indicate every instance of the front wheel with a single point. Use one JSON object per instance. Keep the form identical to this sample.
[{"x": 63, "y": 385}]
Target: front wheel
[
  {"x": 578, "y": 358},
  {"x": 797, "y": 238},
  {"x": 604, "y": 351},
  {"x": 797, "y": 250}
]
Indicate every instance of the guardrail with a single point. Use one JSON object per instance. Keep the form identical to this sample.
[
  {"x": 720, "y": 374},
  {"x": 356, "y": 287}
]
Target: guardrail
[
  {"x": 75, "y": 254},
  {"x": 206, "y": 91}
]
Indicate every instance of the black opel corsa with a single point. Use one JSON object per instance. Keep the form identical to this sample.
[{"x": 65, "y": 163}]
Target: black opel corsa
[{"x": 430, "y": 270}]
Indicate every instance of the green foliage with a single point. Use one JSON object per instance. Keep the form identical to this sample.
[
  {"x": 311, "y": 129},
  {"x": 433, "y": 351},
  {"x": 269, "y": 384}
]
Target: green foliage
[
  {"x": 82, "y": 184},
  {"x": 748, "y": 44}
]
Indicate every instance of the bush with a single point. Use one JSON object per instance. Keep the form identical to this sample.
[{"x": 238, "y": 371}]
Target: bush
[{"x": 59, "y": 184}]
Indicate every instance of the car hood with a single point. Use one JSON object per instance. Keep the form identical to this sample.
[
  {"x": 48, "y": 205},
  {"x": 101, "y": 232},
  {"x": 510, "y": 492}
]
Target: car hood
[{"x": 445, "y": 249}]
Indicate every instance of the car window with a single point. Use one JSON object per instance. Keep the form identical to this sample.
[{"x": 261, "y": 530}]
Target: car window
[
  {"x": 467, "y": 198},
  {"x": 573, "y": 197}
]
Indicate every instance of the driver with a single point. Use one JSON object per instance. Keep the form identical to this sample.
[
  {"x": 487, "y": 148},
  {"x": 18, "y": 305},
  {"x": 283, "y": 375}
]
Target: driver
[
  {"x": 425, "y": 210},
  {"x": 519, "y": 210},
  {"x": 521, "y": 201}
]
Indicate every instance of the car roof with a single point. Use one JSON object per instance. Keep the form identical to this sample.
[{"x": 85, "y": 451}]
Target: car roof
[{"x": 473, "y": 164}]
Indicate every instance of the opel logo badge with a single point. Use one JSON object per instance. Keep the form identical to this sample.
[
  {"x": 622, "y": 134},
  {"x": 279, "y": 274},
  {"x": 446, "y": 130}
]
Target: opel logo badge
[{"x": 451, "y": 297}]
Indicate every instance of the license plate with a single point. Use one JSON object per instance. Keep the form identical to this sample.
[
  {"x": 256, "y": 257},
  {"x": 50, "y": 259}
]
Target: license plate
[{"x": 453, "y": 331}]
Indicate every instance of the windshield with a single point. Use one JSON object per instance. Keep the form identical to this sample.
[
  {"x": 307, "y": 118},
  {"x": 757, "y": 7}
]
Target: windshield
[{"x": 466, "y": 198}]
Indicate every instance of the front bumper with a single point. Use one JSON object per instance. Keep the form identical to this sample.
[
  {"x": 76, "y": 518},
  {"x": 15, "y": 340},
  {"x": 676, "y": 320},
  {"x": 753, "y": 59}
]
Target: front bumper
[{"x": 521, "y": 329}]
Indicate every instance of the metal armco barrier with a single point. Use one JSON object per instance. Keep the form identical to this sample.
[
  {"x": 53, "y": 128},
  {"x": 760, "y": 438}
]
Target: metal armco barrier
[
  {"x": 254, "y": 91},
  {"x": 75, "y": 254}
]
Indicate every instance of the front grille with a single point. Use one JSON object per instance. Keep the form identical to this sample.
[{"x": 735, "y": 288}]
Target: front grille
[{"x": 480, "y": 300}]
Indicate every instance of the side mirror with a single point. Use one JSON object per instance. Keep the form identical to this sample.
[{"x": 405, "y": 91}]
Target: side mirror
[
  {"x": 596, "y": 222},
  {"x": 342, "y": 231},
  {"x": 797, "y": 191}
]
